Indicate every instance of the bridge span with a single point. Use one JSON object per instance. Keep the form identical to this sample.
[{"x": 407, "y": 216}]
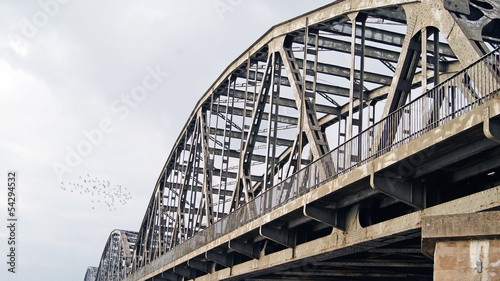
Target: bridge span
[{"x": 360, "y": 141}]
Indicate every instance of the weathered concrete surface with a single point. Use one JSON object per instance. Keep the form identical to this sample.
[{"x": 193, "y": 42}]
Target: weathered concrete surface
[
  {"x": 467, "y": 260},
  {"x": 464, "y": 247}
]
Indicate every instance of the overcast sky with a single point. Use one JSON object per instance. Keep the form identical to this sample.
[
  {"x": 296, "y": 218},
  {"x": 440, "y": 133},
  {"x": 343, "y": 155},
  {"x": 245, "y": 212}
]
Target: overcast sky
[{"x": 94, "y": 93}]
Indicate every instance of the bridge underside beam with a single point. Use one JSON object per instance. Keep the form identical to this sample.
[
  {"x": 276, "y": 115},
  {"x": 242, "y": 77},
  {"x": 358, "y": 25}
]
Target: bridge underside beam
[
  {"x": 169, "y": 276},
  {"x": 330, "y": 217},
  {"x": 377, "y": 251},
  {"x": 405, "y": 190},
  {"x": 284, "y": 237},
  {"x": 219, "y": 258},
  {"x": 251, "y": 250},
  {"x": 205, "y": 266},
  {"x": 185, "y": 272}
]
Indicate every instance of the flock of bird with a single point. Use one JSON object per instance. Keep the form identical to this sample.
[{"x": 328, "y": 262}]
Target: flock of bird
[{"x": 102, "y": 192}]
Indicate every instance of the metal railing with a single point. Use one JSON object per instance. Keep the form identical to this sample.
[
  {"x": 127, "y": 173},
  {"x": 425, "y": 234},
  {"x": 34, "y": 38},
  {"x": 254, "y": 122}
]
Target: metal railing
[{"x": 453, "y": 97}]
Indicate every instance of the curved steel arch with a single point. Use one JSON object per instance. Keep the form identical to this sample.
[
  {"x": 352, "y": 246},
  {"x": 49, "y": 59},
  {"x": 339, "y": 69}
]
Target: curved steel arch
[
  {"x": 307, "y": 85},
  {"x": 116, "y": 259},
  {"x": 91, "y": 273}
]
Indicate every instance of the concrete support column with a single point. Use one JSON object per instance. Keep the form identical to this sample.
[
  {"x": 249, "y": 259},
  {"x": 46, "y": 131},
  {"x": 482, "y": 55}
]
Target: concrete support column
[{"x": 464, "y": 247}]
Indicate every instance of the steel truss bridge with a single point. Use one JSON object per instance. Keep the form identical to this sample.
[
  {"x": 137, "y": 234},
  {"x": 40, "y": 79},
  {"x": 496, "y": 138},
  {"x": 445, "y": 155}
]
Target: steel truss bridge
[{"x": 318, "y": 152}]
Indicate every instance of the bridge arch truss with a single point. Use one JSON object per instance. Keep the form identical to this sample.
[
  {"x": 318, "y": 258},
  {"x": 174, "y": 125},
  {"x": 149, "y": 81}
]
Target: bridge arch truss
[{"x": 352, "y": 76}]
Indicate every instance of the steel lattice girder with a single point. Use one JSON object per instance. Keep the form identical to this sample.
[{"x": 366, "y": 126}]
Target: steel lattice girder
[
  {"x": 268, "y": 115},
  {"x": 116, "y": 259}
]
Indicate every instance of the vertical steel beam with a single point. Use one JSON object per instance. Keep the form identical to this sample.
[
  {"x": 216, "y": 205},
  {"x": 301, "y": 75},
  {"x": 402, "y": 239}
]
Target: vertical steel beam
[
  {"x": 207, "y": 167},
  {"x": 308, "y": 123},
  {"x": 406, "y": 57},
  {"x": 244, "y": 182},
  {"x": 362, "y": 18},
  {"x": 158, "y": 221},
  {"x": 401, "y": 85},
  {"x": 197, "y": 142},
  {"x": 191, "y": 181},
  {"x": 351, "y": 82},
  {"x": 167, "y": 211},
  {"x": 180, "y": 225},
  {"x": 272, "y": 128},
  {"x": 228, "y": 121},
  {"x": 436, "y": 56},
  {"x": 424, "y": 59}
]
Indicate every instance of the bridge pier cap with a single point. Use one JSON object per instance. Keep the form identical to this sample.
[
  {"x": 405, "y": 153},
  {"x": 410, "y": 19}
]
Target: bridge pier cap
[{"x": 464, "y": 246}]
